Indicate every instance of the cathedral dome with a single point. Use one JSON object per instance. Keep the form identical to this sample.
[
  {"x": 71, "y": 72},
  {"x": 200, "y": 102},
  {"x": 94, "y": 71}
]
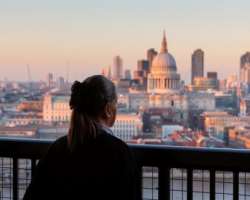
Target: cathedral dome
[
  {"x": 164, "y": 62},
  {"x": 163, "y": 77}
]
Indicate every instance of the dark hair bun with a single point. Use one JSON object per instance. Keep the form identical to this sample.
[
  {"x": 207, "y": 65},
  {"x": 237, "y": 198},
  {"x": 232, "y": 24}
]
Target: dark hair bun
[
  {"x": 76, "y": 87},
  {"x": 75, "y": 100}
]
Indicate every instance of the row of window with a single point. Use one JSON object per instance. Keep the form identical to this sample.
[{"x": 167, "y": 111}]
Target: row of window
[
  {"x": 157, "y": 83},
  {"x": 58, "y": 118}
]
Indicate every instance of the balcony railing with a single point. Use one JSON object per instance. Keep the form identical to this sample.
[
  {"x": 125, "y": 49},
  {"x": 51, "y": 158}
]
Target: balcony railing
[{"x": 166, "y": 172}]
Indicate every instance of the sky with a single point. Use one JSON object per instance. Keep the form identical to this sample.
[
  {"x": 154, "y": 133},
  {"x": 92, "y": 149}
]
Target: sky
[{"x": 86, "y": 35}]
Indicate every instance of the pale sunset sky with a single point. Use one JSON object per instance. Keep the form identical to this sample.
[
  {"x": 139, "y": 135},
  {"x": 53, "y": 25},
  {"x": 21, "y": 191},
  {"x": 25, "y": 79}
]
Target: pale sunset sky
[{"x": 46, "y": 34}]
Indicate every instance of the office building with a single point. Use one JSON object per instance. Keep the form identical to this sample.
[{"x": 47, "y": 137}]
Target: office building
[
  {"x": 151, "y": 53},
  {"x": 197, "y": 64},
  {"x": 117, "y": 68},
  {"x": 50, "y": 80}
]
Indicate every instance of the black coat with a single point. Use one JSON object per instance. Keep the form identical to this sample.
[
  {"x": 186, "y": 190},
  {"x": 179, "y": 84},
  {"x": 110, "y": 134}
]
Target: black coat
[{"x": 103, "y": 169}]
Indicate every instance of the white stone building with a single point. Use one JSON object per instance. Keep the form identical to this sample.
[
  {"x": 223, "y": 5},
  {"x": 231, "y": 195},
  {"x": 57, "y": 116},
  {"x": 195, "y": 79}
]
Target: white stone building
[
  {"x": 217, "y": 121},
  {"x": 24, "y": 120},
  {"x": 127, "y": 126},
  {"x": 56, "y": 108}
]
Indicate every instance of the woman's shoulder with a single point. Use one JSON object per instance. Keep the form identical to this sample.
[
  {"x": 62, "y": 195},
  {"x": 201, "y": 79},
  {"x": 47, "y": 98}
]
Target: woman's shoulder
[
  {"x": 104, "y": 140},
  {"x": 61, "y": 141},
  {"x": 112, "y": 141},
  {"x": 59, "y": 146}
]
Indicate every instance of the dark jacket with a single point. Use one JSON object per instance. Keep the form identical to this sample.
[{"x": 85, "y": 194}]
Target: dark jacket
[{"x": 101, "y": 169}]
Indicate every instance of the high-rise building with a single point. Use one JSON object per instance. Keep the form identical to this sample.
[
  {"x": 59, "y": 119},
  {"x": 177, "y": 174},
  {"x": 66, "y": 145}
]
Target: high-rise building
[
  {"x": 197, "y": 64},
  {"x": 109, "y": 73},
  {"x": 127, "y": 74},
  {"x": 50, "y": 81},
  {"x": 117, "y": 68},
  {"x": 143, "y": 65},
  {"x": 142, "y": 72},
  {"x": 151, "y": 53},
  {"x": 60, "y": 83},
  {"x": 245, "y": 68},
  {"x": 245, "y": 58}
]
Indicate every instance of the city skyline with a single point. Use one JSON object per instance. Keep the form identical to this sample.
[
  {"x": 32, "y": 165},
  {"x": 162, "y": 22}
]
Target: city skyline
[{"x": 48, "y": 35}]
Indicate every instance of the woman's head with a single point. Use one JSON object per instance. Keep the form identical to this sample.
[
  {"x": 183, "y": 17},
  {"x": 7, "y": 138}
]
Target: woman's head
[{"x": 93, "y": 102}]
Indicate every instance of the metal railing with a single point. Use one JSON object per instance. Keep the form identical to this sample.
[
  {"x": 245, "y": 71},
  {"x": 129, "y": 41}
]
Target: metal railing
[{"x": 165, "y": 172}]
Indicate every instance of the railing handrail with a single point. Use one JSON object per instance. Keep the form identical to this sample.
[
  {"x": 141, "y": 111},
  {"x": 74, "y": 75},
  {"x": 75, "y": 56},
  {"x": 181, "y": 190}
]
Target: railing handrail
[{"x": 146, "y": 155}]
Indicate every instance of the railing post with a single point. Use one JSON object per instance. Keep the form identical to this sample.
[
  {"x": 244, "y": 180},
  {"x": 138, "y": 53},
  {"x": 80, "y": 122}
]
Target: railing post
[
  {"x": 235, "y": 185},
  {"x": 212, "y": 184},
  {"x": 15, "y": 179},
  {"x": 189, "y": 184},
  {"x": 164, "y": 183}
]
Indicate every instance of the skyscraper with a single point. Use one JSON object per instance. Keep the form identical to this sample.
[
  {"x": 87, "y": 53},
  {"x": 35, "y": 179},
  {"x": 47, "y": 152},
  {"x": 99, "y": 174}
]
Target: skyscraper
[
  {"x": 60, "y": 83},
  {"x": 142, "y": 72},
  {"x": 50, "y": 81},
  {"x": 197, "y": 64},
  {"x": 245, "y": 58},
  {"x": 117, "y": 68},
  {"x": 245, "y": 68},
  {"x": 151, "y": 53},
  {"x": 143, "y": 65}
]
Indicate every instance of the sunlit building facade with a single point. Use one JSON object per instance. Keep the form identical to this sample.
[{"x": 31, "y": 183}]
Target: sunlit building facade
[
  {"x": 127, "y": 126},
  {"x": 56, "y": 108}
]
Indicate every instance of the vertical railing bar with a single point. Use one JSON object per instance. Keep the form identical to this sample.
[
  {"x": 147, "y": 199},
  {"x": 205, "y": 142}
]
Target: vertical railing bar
[
  {"x": 152, "y": 183},
  {"x": 245, "y": 185},
  {"x": 2, "y": 177},
  {"x": 164, "y": 183},
  {"x": 189, "y": 184},
  {"x": 15, "y": 179},
  {"x": 33, "y": 167},
  {"x": 212, "y": 184},
  {"x": 182, "y": 183},
  {"x": 168, "y": 183},
  {"x": 172, "y": 182},
  {"x": 139, "y": 179},
  {"x": 223, "y": 185},
  {"x": 235, "y": 185}
]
